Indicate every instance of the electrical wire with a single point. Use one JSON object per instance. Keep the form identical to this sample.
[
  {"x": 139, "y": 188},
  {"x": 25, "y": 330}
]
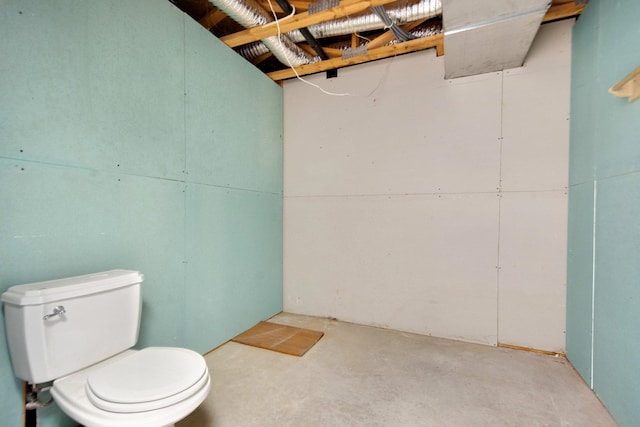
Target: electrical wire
[{"x": 277, "y": 22}]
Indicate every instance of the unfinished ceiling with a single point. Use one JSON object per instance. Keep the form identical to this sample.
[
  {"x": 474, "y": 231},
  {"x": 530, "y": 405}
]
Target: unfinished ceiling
[{"x": 312, "y": 36}]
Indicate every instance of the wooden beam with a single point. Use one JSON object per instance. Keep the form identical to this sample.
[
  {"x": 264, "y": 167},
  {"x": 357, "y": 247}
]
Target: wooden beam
[
  {"x": 257, "y": 60},
  {"x": 440, "y": 47},
  {"x": 307, "y": 49},
  {"x": 300, "y": 6},
  {"x": 354, "y": 40},
  {"x": 301, "y": 20},
  {"x": 212, "y": 18},
  {"x": 533, "y": 350},
  {"x": 563, "y": 10},
  {"x": 379, "y": 53},
  {"x": 331, "y": 52},
  {"x": 274, "y": 4}
]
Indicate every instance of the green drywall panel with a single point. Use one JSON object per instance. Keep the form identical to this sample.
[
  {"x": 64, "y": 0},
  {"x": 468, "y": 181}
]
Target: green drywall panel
[
  {"x": 234, "y": 118},
  {"x": 618, "y": 127},
  {"x": 11, "y": 402},
  {"x": 617, "y": 298},
  {"x": 235, "y": 262},
  {"x": 95, "y": 84},
  {"x": 60, "y": 222},
  {"x": 580, "y": 278},
  {"x": 94, "y": 140},
  {"x": 604, "y": 141},
  {"x": 584, "y": 71}
]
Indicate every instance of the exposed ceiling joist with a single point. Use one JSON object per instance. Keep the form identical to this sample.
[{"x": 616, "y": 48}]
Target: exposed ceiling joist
[
  {"x": 388, "y": 36},
  {"x": 301, "y": 20},
  {"x": 562, "y": 11},
  {"x": 371, "y": 55},
  {"x": 331, "y": 53},
  {"x": 299, "y": 5},
  {"x": 378, "y": 46},
  {"x": 212, "y": 18}
]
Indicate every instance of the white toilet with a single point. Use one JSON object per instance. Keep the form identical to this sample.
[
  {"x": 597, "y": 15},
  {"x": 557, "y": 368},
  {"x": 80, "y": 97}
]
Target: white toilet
[{"x": 79, "y": 332}]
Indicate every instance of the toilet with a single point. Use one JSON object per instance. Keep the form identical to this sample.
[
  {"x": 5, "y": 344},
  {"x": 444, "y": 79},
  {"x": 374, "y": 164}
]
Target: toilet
[{"x": 79, "y": 332}]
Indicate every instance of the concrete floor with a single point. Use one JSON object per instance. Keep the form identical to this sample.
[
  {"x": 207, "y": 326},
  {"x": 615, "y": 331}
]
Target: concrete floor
[{"x": 363, "y": 376}]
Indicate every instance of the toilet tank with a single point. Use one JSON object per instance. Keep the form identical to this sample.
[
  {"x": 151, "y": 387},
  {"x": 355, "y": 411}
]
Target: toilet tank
[{"x": 101, "y": 318}]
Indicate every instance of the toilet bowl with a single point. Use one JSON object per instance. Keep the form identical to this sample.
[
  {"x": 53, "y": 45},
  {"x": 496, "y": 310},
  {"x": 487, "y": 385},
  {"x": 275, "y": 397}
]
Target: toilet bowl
[
  {"x": 135, "y": 388},
  {"x": 79, "y": 332}
]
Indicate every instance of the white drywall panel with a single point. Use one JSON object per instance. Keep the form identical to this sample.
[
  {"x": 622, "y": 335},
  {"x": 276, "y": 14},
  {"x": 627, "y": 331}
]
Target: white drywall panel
[
  {"x": 532, "y": 279},
  {"x": 369, "y": 205},
  {"x": 416, "y": 133},
  {"x": 535, "y": 148},
  {"x": 423, "y": 264}
]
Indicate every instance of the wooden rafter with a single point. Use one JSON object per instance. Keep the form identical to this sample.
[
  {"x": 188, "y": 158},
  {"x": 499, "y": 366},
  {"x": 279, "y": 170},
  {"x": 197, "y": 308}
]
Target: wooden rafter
[
  {"x": 373, "y": 54},
  {"x": 354, "y": 40},
  {"x": 300, "y": 6},
  {"x": 563, "y": 10},
  {"x": 257, "y": 60},
  {"x": 274, "y": 5},
  {"x": 209, "y": 17},
  {"x": 212, "y": 18},
  {"x": 331, "y": 52},
  {"x": 307, "y": 49},
  {"x": 377, "y": 50},
  {"x": 301, "y": 20}
]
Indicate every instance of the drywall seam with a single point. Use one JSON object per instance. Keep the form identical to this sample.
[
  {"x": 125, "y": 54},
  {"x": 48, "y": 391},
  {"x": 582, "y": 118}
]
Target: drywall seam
[
  {"x": 499, "y": 195},
  {"x": 593, "y": 279},
  {"x": 439, "y": 193}
]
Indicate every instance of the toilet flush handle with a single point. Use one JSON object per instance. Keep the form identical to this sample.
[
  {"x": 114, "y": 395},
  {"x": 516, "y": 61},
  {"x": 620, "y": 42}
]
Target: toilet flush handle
[{"x": 57, "y": 311}]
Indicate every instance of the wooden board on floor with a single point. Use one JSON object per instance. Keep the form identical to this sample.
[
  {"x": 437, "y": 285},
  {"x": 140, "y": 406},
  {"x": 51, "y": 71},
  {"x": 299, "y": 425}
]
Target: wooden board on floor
[{"x": 281, "y": 338}]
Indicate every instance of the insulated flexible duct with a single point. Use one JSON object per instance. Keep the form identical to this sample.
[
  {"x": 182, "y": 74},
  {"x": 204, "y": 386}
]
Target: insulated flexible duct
[
  {"x": 413, "y": 11},
  {"x": 425, "y": 30},
  {"x": 249, "y": 14}
]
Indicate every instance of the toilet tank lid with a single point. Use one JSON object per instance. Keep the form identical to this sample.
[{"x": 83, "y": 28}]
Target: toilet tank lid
[{"x": 71, "y": 287}]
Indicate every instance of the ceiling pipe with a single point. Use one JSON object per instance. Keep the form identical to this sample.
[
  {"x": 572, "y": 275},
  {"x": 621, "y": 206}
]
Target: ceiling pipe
[
  {"x": 411, "y": 11},
  {"x": 249, "y": 13},
  {"x": 288, "y": 9}
]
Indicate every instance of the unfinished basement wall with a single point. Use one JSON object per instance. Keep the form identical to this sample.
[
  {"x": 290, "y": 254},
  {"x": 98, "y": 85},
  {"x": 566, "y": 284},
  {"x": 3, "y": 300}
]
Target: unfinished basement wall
[
  {"x": 432, "y": 206},
  {"x": 124, "y": 144}
]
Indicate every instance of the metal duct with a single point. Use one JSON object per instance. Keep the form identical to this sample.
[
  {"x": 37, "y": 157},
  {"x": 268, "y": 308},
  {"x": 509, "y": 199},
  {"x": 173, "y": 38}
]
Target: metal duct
[
  {"x": 249, "y": 14},
  {"x": 424, "y": 30},
  {"x": 484, "y": 36},
  {"x": 412, "y": 11}
]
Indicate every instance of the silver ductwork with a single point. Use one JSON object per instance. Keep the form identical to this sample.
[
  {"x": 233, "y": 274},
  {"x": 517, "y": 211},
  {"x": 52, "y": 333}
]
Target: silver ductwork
[
  {"x": 250, "y": 14},
  {"x": 425, "y": 30},
  {"x": 486, "y": 36},
  {"x": 410, "y": 11}
]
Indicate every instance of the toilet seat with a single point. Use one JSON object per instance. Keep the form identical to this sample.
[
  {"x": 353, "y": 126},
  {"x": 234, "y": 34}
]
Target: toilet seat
[
  {"x": 70, "y": 393},
  {"x": 150, "y": 379}
]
